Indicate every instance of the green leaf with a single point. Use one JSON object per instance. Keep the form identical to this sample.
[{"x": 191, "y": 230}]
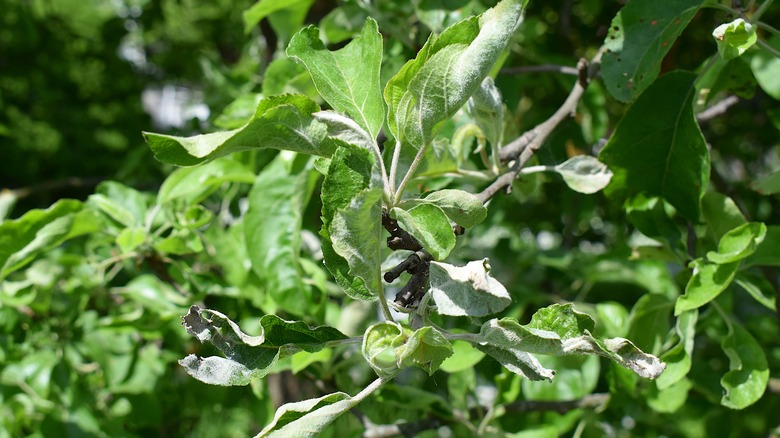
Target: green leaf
[
  {"x": 664, "y": 155},
  {"x": 426, "y": 348},
  {"x": 561, "y": 330},
  {"x": 352, "y": 222},
  {"x": 131, "y": 238},
  {"x": 238, "y": 112},
  {"x": 35, "y": 232},
  {"x": 639, "y": 38},
  {"x": 447, "y": 71},
  {"x": 121, "y": 203},
  {"x": 650, "y": 217},
  {"x": 759, "y": 288},
  {"x": 179, "y": 242},
  {"x": 272, "y": 230},
  {"x": 517, "y": 361},
  {"x": 575, "y": 377},
  {"x": 734, "y": 38},
  {"x": 584, "y": 174},
  {"x": 306, "y": 419},
  {"x": 264, "y": 8},
  {"x": 766, "y": 68},
  {"x": 768, "y": 185},
  {"x": 194, "y": 184},
  {"x": 247, "y": 357},
  {"x": 467, "y": 290},
  {"x": 280, "y": 122},
  {"x": 738, "y": 243},
  {"x": 463, "y": 208},
  {"x": 464, "y": 356},
  {"x": 766, "y": 254},
  {"x": 430, "y": 226},
  {"x": 650, "y": 322},
  {"x": 707, "y": 282},
  {"x": 670, "y": 399},
  {"x": 348, "y": 79},
  {"x": 748, "y": 374},
  {"x": 678, "y": 359},
  {"x": 720, "y": 214}
]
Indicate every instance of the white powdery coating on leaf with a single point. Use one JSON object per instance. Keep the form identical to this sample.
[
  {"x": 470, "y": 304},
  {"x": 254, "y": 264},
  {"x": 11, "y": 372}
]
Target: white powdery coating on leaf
[{"x": 467, "y": 290}]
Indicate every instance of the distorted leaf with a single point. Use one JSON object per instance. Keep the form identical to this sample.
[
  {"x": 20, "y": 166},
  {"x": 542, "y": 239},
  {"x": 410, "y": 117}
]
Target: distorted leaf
[
  {"x": 748, "y": 374},
  {"x": 707, "y": 282},
  {"x": 738, "y": 243},
  {"x": 584, "y": 174},
  {"x": 430, "y": 226},
  {"x": 734, "y": 38},
  {"x": 467, "y": 290},
  {"x": 463, "y": 208}
]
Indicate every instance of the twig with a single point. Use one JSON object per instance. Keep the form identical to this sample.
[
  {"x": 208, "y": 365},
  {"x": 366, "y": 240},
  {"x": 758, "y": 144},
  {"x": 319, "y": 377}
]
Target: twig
[
  {"x": 416, "y": 263},
  {"x": 591, "y": 401},
  {"x": 523, "y": 148},
  {"x": 717, "y": 109},
  {"x": 545, "y": 68}
]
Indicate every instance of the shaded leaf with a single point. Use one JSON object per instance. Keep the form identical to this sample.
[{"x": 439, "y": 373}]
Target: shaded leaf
[
  {"x": 748, "y": 374},
  {"x": 678, "y": 359},
  {"x": 264, "y": 8},
  {"x": 379, "y": 343},
  {"x": 247, "y": 357},
  {"x": 487, "y": 108},
  {"x": 766, "y": 68},
  {"x": 467, "y": 290},
  {"x": 348, "y": 78},
  {"x": 272, "y": 231},
  {"x": 280, "y": 122},
  {"x": 639, "y": 38},
  {"x": 664, "y": 155},
  {"x": 425, "y": 348},
  {"x": 768, "y": 185},
  {"x": 194, "y": 184}
]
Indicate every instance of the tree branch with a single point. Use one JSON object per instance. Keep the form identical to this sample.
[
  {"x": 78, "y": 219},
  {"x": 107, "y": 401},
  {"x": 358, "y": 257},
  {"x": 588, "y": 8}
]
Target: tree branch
[
  {"x": 545, "y": 68},
  {"x": 717, "y": 109},
  {"x": 524, "y": 147}
]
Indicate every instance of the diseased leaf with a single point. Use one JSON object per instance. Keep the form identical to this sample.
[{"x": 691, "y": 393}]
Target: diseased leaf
[
  {"x": 707, "y": 282},
  {"x": 425, "y": 348},
  {"x": 272, "y": 231},
  {"x": 348, "y": 78},
  {"x": 487, "y": 109},
  {"x": 467, "y": 290},
  {"x": 352, "y": 222},
  {"x": 430, "y": 226},
  {"x": 664, "y": 155},
  {"x": 280, "y": 122},
  {"x": 565, "y": 331},
  {"x": 734, "y": 38},
  {"x": 518, "y": 362},
  {"x": 345, "y": 129},
  {"x": 379, "y": 343},
  {"x": 738, "y": 243},
  {"x": 584, "y": 174},
  {"x": 306, "y": 419},
  {"x": 247, "y": 357},
  {"x": 639, "y": 38},
  {"x": 748, "y": 374},
  {"x": 447, "y": 71}
]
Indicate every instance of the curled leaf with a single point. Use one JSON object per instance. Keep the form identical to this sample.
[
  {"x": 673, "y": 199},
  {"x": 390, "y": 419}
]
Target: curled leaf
[{"x": 467, "y": 290}]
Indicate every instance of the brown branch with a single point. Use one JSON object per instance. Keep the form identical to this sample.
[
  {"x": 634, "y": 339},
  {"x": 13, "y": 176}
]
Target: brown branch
[
  {"x": 524, "y": 147},
  {"x": 545, "y": 68}
]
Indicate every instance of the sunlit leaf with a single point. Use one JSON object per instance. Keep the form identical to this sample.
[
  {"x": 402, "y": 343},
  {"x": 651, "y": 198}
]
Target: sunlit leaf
[
  {"x": 584, "y": 174},
  {"x": 748, "y": 374},
  {"x": 734, "y": 38},
  {"x": 466, "y": 290},
  {"x": 430, "y": 226}
]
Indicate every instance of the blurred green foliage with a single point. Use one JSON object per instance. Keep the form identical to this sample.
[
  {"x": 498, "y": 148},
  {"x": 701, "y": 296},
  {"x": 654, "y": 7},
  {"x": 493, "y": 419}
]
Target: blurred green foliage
[{"x": 90, "y": 332}]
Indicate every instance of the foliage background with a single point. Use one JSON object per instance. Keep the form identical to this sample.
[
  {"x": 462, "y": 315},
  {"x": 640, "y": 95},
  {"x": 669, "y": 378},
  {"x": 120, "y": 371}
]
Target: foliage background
[{"x": 91, "y": 332}]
